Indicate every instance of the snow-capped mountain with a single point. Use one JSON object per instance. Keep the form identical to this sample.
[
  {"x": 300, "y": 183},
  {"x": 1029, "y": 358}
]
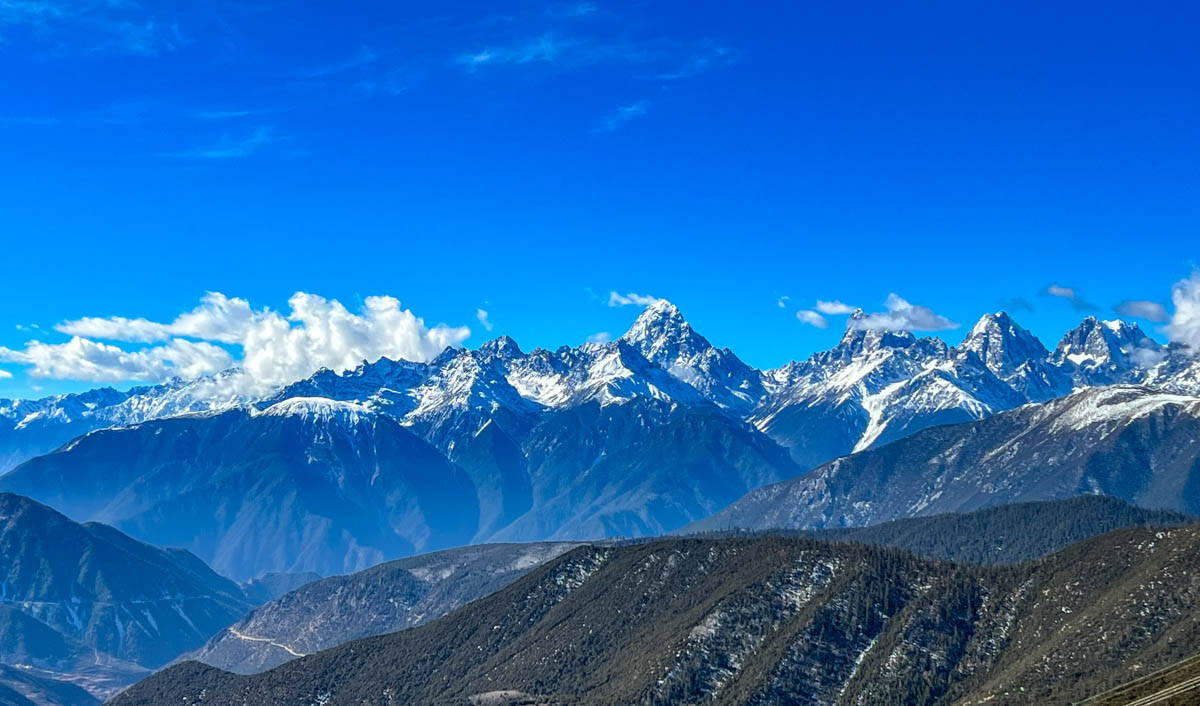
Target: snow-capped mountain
[
  {"x": 30, "y": 428},
  {"x": 1129, "y": 442},
  {"x": 878, "y": 386},
  {"x": 1107, "y": 352},
  {"x": 665, "y": 339},
  {"x": 1002, "y": 345}
]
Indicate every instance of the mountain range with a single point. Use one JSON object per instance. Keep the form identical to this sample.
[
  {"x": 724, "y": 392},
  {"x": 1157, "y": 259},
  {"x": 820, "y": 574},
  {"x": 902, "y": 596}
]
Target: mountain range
[
  {"x": 1129, "y": 442},
  {"x": 639, "y": 436}
]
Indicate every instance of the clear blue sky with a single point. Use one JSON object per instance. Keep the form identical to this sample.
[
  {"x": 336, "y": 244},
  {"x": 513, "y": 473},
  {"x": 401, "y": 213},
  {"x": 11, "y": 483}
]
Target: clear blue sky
[{"x": 529, "y": 158}]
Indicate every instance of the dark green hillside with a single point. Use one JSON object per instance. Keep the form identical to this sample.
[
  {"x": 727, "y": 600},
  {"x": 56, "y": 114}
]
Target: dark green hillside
[{"x": 767, "y": 620}]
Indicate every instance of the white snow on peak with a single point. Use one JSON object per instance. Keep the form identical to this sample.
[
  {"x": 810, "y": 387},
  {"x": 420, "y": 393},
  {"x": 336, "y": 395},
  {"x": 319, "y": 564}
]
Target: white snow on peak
[
  {"x": 321, "y": 408},
  {"x": 1120, "y": 404}
]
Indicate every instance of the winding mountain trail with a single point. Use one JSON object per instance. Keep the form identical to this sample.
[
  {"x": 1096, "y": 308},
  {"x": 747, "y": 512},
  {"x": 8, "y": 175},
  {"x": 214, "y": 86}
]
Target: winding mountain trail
[{"x": 269, "y": 641}]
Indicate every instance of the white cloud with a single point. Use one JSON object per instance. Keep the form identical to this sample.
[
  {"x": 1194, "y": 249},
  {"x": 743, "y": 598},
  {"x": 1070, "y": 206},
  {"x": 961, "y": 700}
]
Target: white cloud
[
  {"x": 1151, "y": 311},
  {"x": 616, "y": 299},
  {"x": 602, "y": 337},
  {"x": 903, "y": 316},
  {"x": 483, "y": 319},
  {"x": 834, "y": 308},
  {"x": 4, "y": 375},
  {"x": 275, "y": 349},
  {"x": 783, "y": 301},
  {"x": 812, "y": 318},
  {"x": 217, "y": 318},
  {"x": 1184, "y": 326},
  {"x": 93, "y": 361}
]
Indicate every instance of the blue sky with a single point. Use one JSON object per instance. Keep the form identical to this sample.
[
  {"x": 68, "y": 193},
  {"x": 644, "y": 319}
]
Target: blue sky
[{"x": 528, "y": 159}]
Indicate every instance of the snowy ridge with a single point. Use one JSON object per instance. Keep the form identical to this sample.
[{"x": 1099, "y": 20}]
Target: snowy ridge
[{"x": 319, "y": 409}]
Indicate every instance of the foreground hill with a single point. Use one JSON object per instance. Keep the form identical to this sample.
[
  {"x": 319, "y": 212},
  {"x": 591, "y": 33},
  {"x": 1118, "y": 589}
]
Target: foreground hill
[
  {"x": 88, "y": 604},
  {"x": 410, "y": 592},
  {"x": 1128, "y": 442},
  {"x": 393, "y": 596},
  {"x": 763, "y": 621}
]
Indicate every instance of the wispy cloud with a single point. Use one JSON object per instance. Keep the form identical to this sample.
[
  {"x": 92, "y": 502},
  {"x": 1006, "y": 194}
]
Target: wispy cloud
[
  {"x": 573, "y": 11},
  {"x": 365, "y": 56},
  {"x": 230, "y": 148},
  {"x": 482, "y": 315},
  {"x": 217, "y": 115},
  {"x": 622, "y": 115},
  {"x": 703, "y": 58},
  {"x": 631, "y": 299},
  {"x": 1142, "y": 309},
  {"x": 834, "y": 308},
  {"x": 601, "y": 337},
  {"x": 89, "y": 26},
  {"x": 1016, "y": 304},
  {"x": 543, "y": 49},
  {"x": 4, "y": 374},
  {"x": 1071, "y": 295}
]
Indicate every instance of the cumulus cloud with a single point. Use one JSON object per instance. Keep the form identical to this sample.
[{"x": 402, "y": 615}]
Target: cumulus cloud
[
  {"x": 483, "y": 319},
  {"x": 812, "y": 318},
  {"x": 618, "y": 299},
  {"x": 903, "y": 316},
  {"x": 834, "y": 308},
  {"x": 275, "y": 348},
  {"x": 1184, "y": 326},
  {"x": 1071, "y": 295},
  {"x": 217, "y": 318},
  {"x": 94, "y": 361},
  {"x": 1151, "y": 311}
]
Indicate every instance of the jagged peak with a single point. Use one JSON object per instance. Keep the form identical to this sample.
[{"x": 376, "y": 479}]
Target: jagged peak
[
  {"x": 1001, "y": 343},
  {"x": 662, "y": 314},
  {"x": 662, "y": 335},
  {"x": 502, "y": 347},
  {"x": 1000, "y": 322}
]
